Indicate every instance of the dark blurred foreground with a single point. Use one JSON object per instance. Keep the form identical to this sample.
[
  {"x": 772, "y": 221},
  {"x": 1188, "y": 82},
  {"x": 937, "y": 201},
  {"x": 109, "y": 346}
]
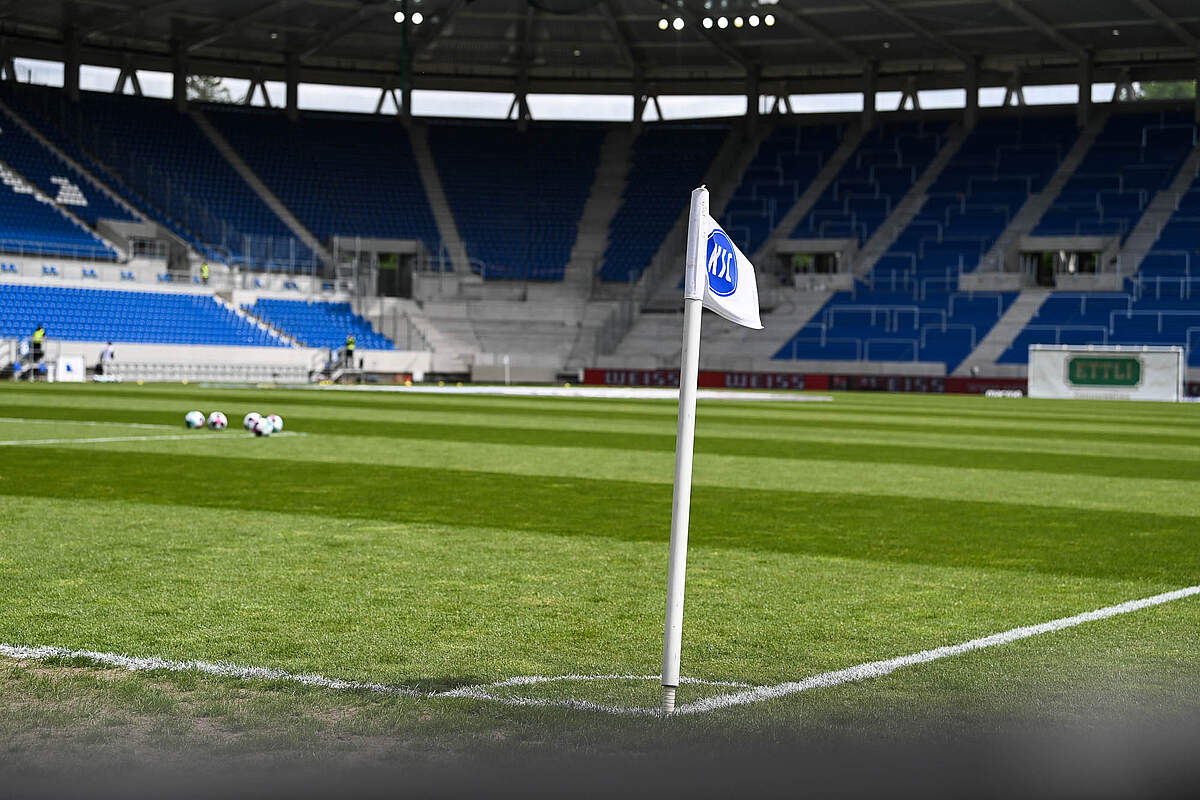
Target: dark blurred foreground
[{"x": 1015, "y": 759}]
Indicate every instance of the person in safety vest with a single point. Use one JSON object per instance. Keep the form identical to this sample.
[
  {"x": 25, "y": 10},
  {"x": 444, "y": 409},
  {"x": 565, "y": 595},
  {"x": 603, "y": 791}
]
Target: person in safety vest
[{"x": 39, "y": 335}]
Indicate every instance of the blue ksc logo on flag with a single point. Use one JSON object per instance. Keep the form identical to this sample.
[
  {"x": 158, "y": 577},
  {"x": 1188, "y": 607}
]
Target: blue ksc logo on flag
[{"x": 722, "y": 264}]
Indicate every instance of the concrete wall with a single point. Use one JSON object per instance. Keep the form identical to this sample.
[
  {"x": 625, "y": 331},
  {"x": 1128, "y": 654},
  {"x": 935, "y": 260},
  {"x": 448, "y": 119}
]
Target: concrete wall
[{"x": 385, "y": 361}]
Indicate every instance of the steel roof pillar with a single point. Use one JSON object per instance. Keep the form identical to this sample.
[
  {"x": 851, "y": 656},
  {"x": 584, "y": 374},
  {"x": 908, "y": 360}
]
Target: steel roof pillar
[
  {"x": 870, "y": 81},
  {"x": 8, "y": 71},
  {"x": 1084, "y": 107},
  {"x": 753, "y": 98},
  {"x": 179, "y": 73},
  {"x": 971, "y": 85},
  {"x": 71, "y": 63},
  {"x": 292, "y": 68}
]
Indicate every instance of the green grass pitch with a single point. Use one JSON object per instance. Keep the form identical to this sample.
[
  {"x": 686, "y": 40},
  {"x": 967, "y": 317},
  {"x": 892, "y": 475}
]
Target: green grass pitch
[{"x": 440, "y": 541}]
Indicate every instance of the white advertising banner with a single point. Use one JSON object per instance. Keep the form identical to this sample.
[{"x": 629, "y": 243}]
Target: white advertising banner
[
  {"x": 70, "y": 369},
  {"x": 1106, "y": 372}
]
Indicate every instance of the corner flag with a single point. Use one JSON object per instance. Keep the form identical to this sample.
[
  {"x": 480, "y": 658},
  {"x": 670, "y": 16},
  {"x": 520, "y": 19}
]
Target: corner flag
[{"x": 729, "y": 289}]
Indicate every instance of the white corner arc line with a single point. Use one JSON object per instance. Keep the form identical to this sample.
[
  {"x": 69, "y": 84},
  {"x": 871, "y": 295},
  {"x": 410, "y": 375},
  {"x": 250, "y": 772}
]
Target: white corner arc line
[
  {"x": 878, "y": 669},
  {"x": 747, "y": 695}
]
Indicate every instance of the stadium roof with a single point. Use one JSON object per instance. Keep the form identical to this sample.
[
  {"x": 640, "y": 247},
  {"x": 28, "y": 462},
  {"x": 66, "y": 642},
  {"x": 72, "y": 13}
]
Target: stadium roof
[{"x": 613, "y": 46}]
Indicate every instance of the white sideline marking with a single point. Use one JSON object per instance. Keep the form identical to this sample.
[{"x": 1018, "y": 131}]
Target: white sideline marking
[
  {"x": 755, "y": 694},
  {"x": 90, "y": 422},
  {"x": 106, "y": 439}
]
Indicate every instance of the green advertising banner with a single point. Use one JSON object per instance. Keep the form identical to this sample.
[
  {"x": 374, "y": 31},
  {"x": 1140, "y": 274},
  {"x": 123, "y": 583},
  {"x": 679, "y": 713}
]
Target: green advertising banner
[{"x": 1104, "y": 371}]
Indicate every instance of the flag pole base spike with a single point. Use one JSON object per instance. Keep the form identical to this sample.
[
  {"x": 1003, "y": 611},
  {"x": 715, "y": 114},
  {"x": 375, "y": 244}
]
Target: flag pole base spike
[{"x": 668, "y": 705}]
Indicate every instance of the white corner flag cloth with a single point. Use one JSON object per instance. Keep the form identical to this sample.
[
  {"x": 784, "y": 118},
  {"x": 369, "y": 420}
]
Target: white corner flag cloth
[{"x": 717, "y": 272}]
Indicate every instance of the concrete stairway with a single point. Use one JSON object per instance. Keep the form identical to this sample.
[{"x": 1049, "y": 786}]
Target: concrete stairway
[
  {"x": 1001, "y": 337},
  {"x": 805, "y": 202},
  {"x": 909, "y": 205},
  {"x": 254, "y": 182},
  {"x": 418, "y": 135},
  {"x": 454, "y": 350},
  {"x": 591, "y": 239},
  {"x": 655, "y": 340},
  {"x": 1157, "y": 213},
  {"x": 1024, "y": 221}
]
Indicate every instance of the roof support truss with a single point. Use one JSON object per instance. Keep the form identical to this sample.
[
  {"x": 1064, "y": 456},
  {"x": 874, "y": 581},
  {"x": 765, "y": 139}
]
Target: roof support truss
[
  {"x": 1040, "y": 25},
  {"x": 218, "y": 30},
  {"x": 1177, "y": 30}
]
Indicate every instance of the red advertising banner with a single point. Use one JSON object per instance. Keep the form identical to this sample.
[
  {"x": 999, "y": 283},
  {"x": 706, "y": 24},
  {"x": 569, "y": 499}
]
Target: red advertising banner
[{"x": 796, "y": 381}]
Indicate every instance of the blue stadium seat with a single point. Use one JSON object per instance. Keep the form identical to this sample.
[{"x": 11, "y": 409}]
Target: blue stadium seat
[
  {"x": 668, "y": 162},
  {"x": 517, "y": 196},
  {"x": 319, "y": 324},
  {"x": 340, "y": 174},
  {"x": 96, "y": 315}
]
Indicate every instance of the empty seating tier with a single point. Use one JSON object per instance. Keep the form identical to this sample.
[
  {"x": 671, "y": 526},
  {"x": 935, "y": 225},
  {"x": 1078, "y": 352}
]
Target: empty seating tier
[
  {"x": 786, "y": 163},
  {"x": 32, "y": 225},
  {"x": 877, "y": 175},
  {"x": 517, "y": 196},
  {"x": 97, "y": 315},
  {"x": 340, "y": 174},
  {"x": 54, "y": 177},
  {"x": 319, "y": 324},
  {"x": 1133, "y": 157},
  {"x": 668, "y": 162}
]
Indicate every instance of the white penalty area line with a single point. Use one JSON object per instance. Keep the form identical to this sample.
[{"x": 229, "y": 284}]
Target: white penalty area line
[
  {"x": 744, "y": 695},
  {"x": 196, "y": 436}
]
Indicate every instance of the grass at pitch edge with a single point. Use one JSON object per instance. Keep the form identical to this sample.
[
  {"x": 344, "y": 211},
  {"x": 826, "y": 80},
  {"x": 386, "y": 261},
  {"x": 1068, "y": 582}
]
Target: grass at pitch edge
[{"x": 477, "y": 539}]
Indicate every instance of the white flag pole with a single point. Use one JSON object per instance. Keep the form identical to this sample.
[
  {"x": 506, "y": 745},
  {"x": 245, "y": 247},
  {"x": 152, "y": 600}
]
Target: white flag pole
[{"x": 693, "y": 299}]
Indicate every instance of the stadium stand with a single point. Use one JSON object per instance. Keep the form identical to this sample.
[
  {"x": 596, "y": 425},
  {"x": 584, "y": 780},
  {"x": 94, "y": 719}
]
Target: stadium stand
[
  {"x": 1133, "y": 157},
  {"x": 319, "y": 324},
  {"x": 909, "y": 307},
  {"x": 55, "y": 178},
  {"x": 340, "y": 174},
  {"x": 999, "y": 165},
  {"x": 176, "y": 175},
  {"x": 517, "y": 196},
  {"x": 667, "y": 162},
  {"x": 785, "y": 164},
  {"x": 95, "y": 315},
  {"x": 886, "y": 164},
  {"x": 29, "y": 224},
  {"x": 1158, "y": 306}
]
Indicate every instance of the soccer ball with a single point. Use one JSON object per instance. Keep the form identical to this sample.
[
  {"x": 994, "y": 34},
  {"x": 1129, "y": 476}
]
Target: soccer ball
[
  {"x": 263, "y": 428},
  {"x": 275, "y": 420},
  {"x": 250, "y": 420},
  {"x": 217, "y": 421},
  {"x": 194, "y": 419}
]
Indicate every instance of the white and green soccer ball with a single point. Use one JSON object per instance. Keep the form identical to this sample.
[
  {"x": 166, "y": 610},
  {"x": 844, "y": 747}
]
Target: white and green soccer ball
[
  {"x": 217, "y": 421},
  {"x": 263, "y": 427},
  {"x": 250, "y": 420},
  {"x": 194, "y": 419},
  {"x": 275, "y": 420}
]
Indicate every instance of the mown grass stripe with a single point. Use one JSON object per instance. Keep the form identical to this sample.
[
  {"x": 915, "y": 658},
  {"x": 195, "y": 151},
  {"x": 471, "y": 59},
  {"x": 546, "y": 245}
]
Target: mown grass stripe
[{"x": 952, "y": 533}]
